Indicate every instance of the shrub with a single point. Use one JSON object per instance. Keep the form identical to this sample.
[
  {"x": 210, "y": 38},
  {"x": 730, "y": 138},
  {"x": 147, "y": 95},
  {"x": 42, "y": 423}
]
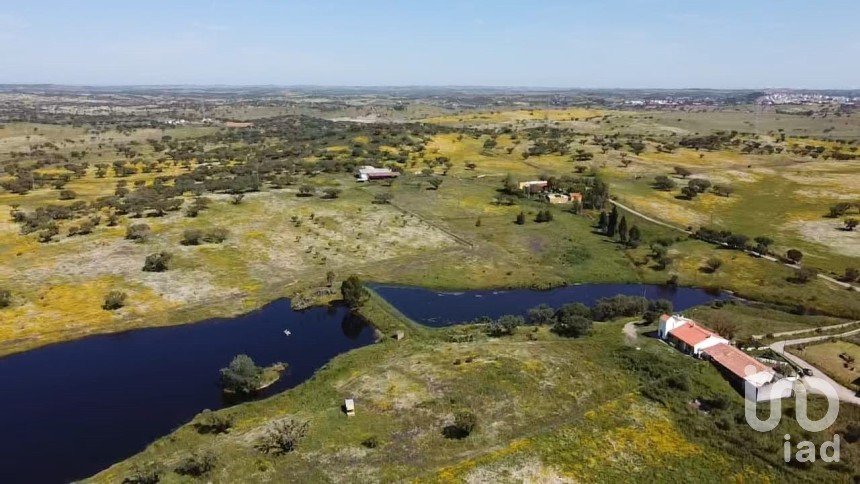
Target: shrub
[
  {"x": 114, "y": 300},
  {"x": 191, "y": 237},
  {"x": 67, "y": 195},
  {"x": 794, "y": 255},
  {"x": 505, "y": 325},
  {"x": 242, "y": 376},
  {"x": 331, "y": 193},
  {"x": 148, "y": 473},
  {"x": 215, "y": 235},
  {"x": 805, "y": 274},
  {"x": 353, "y": 292},
  {"x": 157, "y": 262},
  {"x": 616, "y": 306},
  {"x": 657, "y": 308},
  {"x": 713, "y": 264},
  {"x": 306, "y": 191},
  {"x": 283, "y": 437},
  {"x": 371, "y": 442},
  {"x": 382, "y": 198},
  {"x": 540, "y": 315},
  {"x": 209, "y": 422},
  {"x": 5, "y": 298},
  {"x": 465, "y": 422},
  {"x": 521, "y": 218},
  {"x": 571, "y": 325},
  {"x": 196, "y": 464},
  {"x": 138, "y": 232}
]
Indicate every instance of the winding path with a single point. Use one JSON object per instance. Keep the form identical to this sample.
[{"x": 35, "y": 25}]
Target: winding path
[
  {"x": 846, "y": 285},
  {"x": 845, "y": 394}
]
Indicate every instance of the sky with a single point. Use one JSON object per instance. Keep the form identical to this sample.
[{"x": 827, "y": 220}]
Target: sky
[{"x": 537, "y": 43}]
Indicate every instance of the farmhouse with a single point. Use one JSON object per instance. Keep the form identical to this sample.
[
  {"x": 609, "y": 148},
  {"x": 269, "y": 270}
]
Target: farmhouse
[
  {"x": 534, "y": 186},
  {"x": 687, "y": 335},
  {"x": 368, "y": 172},
  {"x": 748, "y": 375},
  {"x": 558, "y": 198}
]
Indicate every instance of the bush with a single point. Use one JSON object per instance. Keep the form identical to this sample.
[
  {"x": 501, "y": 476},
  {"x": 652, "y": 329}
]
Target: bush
[
  {"x": 157, "y": 262},
  {"x": 713, "y": 264},
  {"x": 804, "y": 275},
  {"x": 571, "y": 325},
  {"x": 283, "y": 437},
  {"x": 215, "y": 235},
  {"x": 242, "y": 376},
  {"x": 465, "y": 422},
  {"x": 67, "y": 195},
  {"x": 505, "y": 325},
  {"x": 371, "y": 442},
  {"x": 196, "y": 464},
  {"x": 5, "y": 298},
  {"x": 657, "y": 308},
  {"x": 191, "y": 237},
  {"x": 617, "y": 306},
  {"x": 114, "y": 300},
  {"x": 540, "y": 315},
  {"x": 138, "y": 232},
  {"x": 331, "y": 193},
  {"x": 148, "y": 473},
  {"x": 209, "y": 422}
]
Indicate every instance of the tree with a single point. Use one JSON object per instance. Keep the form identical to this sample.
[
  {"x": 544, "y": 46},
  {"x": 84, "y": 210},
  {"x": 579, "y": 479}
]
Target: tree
[
  {"x": 67, "y": 195},
  {"x": 510, "y": 185},
  {"x": 306, "y": 191},
  {"x": 726, "y": 329},
  {"x": 762, "y": 244},
  {"x": 329, "y": 278},
  {"x": 242, "y": 376},
  {"x": 689, "y": 192},
  {"x": 602, "y": 222},
  {"x": 657, "y": 308},
  {"x": 521, "y": 218},
  {"x": 682, "y": 172},
  {"x": 663, "y": 182},
  {"x": 851, "y": 275},
  {"x": 701, "y": 185},
  {"x": 5, "y": 298},
  {"x": 435, "y": 182},
  {"x": 805, "y": 274},
  {"x": 114, "y": 300},
  {"x": 505, "y": 325},
  {"x": 283, "y": 437},
  {"x": 612, "y": 222},
  {"x": 138, "y": 232},
  {"x": 634, "y": 237},
  {"x": 540, "y": 315},
  {"x": 157, "y": 262},
  {"x": 737, "y": 241},
  {"x": 353, "y": 292},
  {"x": 637, "y": 147},
  {"x": 794, "y": 255},
  {"x": 713, "y": 264},
  {"x": 571, "y": 325},
  {"x": 850, "y": 223},
  {"x": 622, "y": 230}
]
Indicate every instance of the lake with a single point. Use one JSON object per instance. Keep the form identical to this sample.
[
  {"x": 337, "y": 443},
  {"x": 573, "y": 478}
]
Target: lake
[
  {"x": 72, "y": 409},
  {"x": 438, "y": 309}
]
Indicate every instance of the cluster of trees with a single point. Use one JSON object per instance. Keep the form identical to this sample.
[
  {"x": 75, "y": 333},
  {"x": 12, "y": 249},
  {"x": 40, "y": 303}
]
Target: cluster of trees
[
  {"x": 242, "y": 376},
  {"x": 710, "y": 142},
  {"x": 611, "y": 226},
  {"x": 734, "y": 241},
  {"x": 576, "y": 319}
]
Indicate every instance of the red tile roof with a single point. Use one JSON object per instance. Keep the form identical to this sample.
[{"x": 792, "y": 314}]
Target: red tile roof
[
  {"x": 691, "y": 333},
  {"x": 735, "y": 360}
]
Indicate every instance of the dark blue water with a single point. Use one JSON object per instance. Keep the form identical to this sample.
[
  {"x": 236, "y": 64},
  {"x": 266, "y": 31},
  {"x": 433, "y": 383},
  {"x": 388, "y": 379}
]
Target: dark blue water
[
  {"x": 439, "y": 309},
  {"x": 72, "y": 409}
]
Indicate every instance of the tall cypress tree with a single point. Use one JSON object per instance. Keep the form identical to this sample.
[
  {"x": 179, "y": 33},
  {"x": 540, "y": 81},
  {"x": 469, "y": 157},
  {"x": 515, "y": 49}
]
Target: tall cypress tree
[
  {"x": 602, "y": 222},
  {"x": 612, "y": 225},
  {"x": 622, "y": 230}
]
